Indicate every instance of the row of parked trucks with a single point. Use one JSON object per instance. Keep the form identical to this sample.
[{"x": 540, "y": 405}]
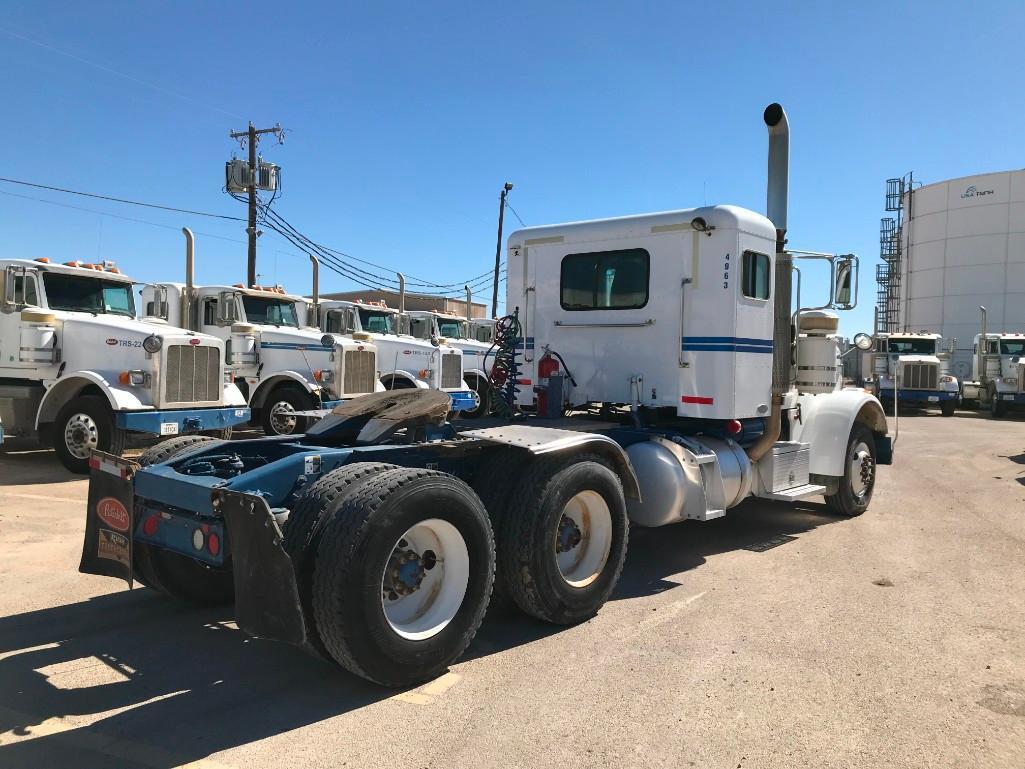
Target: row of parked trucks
[
  {"x": 662, "y": 374},
  {"x": 79, "y": 371},
  {"x": 913, "y": 369}
]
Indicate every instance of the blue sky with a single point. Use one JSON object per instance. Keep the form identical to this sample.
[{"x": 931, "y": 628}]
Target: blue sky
[{"x": 405, "y": 119}]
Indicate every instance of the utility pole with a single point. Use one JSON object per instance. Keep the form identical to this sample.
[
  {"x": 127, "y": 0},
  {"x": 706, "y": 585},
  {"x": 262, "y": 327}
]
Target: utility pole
[
  {"x": 252, "y": 136},
  {"x": 498, "y": 248}
]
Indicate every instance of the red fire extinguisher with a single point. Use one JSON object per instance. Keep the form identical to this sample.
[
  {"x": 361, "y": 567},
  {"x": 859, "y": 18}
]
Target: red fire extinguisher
[{"x": 546, "y": 366}]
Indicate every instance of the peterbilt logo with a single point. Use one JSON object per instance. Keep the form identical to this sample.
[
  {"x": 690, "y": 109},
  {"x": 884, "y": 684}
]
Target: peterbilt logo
[
  {"x": 975, "y": 192},
  {"x": 113, "y": 513},
  {"x": 112, "y": 342}
]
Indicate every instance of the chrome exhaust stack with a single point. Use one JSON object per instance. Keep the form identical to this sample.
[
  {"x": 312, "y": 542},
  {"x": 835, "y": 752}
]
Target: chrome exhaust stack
[
  {"x": 777, "y": 194},
  {"x": 315, "y": 296},
  {"x": 190, "y": 279}
]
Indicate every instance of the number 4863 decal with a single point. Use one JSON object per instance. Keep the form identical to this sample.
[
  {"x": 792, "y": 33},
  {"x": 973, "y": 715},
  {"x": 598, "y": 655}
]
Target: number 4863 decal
[{"x": 726, "y": 272}]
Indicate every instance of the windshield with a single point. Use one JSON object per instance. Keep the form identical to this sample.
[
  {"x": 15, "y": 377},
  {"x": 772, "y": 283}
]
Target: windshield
[
  {"x": 339, "y": 322},
  {"x": 376, "y": 321},
  {"x": 81, "y": 294},
  {"x": 912, "y": 346},
  {"x": 272, "y": 312},
  {"x": 420, "y": 327},
  {"x": 453, "y": 329},
  {"x": 1012, "y": 346},
  {"x": 483, "y": 333}
]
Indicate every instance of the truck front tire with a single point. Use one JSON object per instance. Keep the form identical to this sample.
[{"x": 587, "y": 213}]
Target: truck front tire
[
  {"x": 997, "y": 408},
  {"x": 402, "y": 577},
  {"x": 858, "y": 482},
  {"x": 83, "y": 424},
  {"x": 483, "y": 390},
  {"x": 947, "y": 408},
  {"x": 564, "y": 536},
  {"x": 278, "y": 417}
]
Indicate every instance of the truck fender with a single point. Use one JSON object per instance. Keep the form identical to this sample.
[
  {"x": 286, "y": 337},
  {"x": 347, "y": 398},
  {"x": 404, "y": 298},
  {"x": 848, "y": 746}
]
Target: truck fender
[
  {"x": 405, "y": 376},
  {"x": 233, "y": 396},
  {"x": 259, "y": 396},
  {"x": 479, "y": 373},
  {"x": 546, "y": 440},
  {"x": 66, "y": 388},
  {"x": 826, "y": 422}
]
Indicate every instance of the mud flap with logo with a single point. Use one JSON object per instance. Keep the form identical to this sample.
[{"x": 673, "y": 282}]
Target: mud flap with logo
[
  {"x": 266, "y": 594},
  {"x": 107, "y": 549}
]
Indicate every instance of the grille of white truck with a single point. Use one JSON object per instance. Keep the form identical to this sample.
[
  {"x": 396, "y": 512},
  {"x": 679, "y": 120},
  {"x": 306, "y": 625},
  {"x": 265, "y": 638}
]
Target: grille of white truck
[
  {"x": 451, "y": 372},
  {"x": 193, "y": 374},
  {"x": 360, "y": 372},
  {"x": 920, "y": 376}
]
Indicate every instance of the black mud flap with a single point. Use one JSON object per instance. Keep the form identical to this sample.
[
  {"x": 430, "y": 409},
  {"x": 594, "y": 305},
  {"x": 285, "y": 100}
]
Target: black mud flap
[
  {"x": 884, "y": 450},
  {"x": 110, "y": 517},
  {"x": 266, "y": 595}
]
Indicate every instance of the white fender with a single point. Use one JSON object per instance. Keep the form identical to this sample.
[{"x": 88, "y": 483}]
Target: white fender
[
  {"x": 66, "y": 388},
  {"x": 474, "y": 372},
  {"x": 268, "y": 384},
  {"x": 233, "y": 396},
  {"x": 826, "y": 422},
  {"x": 405, "y": 375}
]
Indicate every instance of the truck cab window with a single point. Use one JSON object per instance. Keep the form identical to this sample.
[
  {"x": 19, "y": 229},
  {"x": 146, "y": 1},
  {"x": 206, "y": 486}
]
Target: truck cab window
[
  {"x": 453, "y": 329},
  {"x": 209, "y": 312},
  {"x": 1012, "y": 347},
  {"x": 912, "y": 347},
  {"x": 271, "y": 312},
  {"x": 339, "y": 322},
  {"x": 605, "y": 280},
  {"x": 377, "y": 322},
  {"x": 81, "y": 294},
  {"x": 420, "y": 328},
  {"x": 755, "y": 280}
]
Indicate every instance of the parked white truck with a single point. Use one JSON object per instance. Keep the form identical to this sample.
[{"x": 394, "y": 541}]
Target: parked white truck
[
  {"x": 280, "y": 359},
  {"x": 404, "y": 362},
  {"x": 79, "y": 371},
  {"x": 998, "y": 371},
  {"x": 916, "y": 363},
  {"x": 478, "y": 357}
]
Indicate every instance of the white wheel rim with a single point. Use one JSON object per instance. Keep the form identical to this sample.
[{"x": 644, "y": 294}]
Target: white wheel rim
[
  {"x": 862, "y": 471},
  {"x": 583, "y": 538},
  {"x": 435, "y": 593},
  {"x": 81, "y": 436},
  {"x": 282, "y": 418}
]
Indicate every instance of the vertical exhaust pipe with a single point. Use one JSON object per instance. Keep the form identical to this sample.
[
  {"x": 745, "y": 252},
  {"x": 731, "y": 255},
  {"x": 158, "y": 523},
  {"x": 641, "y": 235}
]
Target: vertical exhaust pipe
[
  {"x": 402, "y": 293},
  {"x": 776, "y": 198},
  {"x": 981, "y": 352},
  {"x": 469, "y": 303},
  {"x": 190, "y": 279},
  {"x": 316, "y": 291}
]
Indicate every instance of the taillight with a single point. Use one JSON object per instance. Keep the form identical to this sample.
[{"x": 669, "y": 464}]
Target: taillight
[
  {"x": 213, "y": 544},
  {"x": 149, "y": 526}
]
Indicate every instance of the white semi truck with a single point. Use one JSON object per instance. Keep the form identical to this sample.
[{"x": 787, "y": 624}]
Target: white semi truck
[
  {"x": 478, "y": 357},
  {"x": 678, "y": 330},
  {"x": 915, "y": 363},
  {"x": 280, "y": 359},
  {"x": 998, "y": 371},
  {"x": 79, "y": 371},
  {"x": 405, "y": 362}
]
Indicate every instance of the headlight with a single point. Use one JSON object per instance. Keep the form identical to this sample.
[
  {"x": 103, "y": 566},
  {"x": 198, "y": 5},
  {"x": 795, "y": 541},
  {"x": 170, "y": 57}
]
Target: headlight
[
  {"x": 152, "y": 344},
  {"x": 328, "y": 340},
  {"x": 946, "y": 379}
]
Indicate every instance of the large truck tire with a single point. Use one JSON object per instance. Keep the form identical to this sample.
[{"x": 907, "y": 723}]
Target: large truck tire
[
  {"x": 483, "y": 390},
  {"x": 305, "y": 524},
  {"x": 494, "y": 481},
  {"x": 858, "y": 482},
  {"x": 997, "y": 408},
  {"x": 403, "y": 575},
  {"x": 947, "y": 408},
  {"x": 564, "y": 537},
  {"x": 278, "y": 413},
  {"x": 171, "y": 448},
  {"x": 83, "y": 424},
  {"x": 182, "y": 578}
]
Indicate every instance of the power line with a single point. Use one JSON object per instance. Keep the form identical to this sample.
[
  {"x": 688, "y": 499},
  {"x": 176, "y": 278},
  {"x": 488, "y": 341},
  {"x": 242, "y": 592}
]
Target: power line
[
  {"x": 121, "y": 200},
  {"x": 509, "y": 206},
  {"x": 113, "y": 71}
]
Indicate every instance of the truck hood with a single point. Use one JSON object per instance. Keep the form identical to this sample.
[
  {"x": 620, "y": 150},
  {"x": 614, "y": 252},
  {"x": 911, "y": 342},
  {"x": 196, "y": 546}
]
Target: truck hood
[
  {"x": 918, "y": 359},
  {"x": 119, "y": 327}
]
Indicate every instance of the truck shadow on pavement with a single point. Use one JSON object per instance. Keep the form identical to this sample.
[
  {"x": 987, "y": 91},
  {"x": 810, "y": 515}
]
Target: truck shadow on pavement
[
  {"x": 130, "y": 679},
  {"x": 24, "y": 464}
]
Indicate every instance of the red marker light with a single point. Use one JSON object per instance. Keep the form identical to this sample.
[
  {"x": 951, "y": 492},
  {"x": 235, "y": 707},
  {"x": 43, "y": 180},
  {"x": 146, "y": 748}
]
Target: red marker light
[
  {"x": 149, "y": 526},
  {"x": 213, "y": 544},
  {"x": 733, "y": 427}
]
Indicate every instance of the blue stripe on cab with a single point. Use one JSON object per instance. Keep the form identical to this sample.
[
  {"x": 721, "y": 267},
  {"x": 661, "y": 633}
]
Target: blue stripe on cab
[{"x": 726, "y": 344}]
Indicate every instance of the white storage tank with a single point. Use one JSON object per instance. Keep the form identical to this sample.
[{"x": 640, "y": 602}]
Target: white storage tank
[{"x": 962, "y": 246}]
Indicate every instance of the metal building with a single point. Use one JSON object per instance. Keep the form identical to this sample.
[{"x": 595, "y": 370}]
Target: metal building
[{"x": 950, "y": 247}]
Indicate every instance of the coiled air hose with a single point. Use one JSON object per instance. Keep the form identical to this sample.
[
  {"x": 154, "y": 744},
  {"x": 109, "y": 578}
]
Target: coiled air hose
[{"x": 505, "y": 373}]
